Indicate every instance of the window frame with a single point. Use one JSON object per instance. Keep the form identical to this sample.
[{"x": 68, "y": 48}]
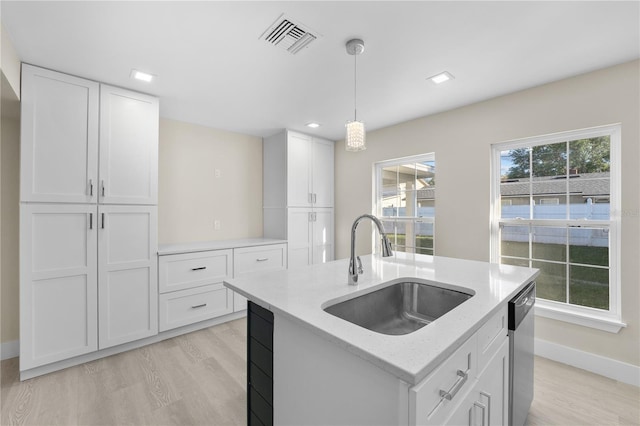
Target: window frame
[
  {"x": 611, "y": 319},
  {"x": 378, "y": 167}
]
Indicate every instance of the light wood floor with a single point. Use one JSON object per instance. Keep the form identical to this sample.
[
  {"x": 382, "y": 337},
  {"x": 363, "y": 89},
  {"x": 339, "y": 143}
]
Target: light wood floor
[{"x": 199, "y": 379}]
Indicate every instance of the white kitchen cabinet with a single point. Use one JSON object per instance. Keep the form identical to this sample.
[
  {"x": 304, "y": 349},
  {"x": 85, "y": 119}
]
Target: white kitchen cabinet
[
  {"x": 298, "y": 195},
  {"x": 309, "y": 171},
  {"x": 89, "y": 173},
  {"x": 59, "y": 137},
  {"x": 128, "y": 147},
  {"x": 250, "y": 260},
  {"x": 310, "y": 236},
  {"x": 127, "y": 274},
  {"x": 58, "y": 282},
  {"x": 191, "y": 287}
]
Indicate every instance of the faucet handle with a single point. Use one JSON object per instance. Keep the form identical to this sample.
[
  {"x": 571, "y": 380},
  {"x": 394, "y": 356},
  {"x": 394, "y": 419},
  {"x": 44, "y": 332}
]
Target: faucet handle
[{"x": 360, "y": 270}]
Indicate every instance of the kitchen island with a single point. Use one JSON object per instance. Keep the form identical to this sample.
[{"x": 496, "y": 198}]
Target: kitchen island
[{"x": 325, "y": 370}]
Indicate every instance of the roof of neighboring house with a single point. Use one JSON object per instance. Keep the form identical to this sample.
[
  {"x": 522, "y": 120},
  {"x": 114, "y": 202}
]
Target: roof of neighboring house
[{"x": 585, "y": 184}]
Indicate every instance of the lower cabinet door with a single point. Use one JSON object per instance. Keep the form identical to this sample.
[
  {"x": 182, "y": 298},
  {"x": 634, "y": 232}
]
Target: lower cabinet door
[
  {"x": 127, "y": 274},
  {"x": 189, "y": 306},
  {"x": 58, "y": 283}
]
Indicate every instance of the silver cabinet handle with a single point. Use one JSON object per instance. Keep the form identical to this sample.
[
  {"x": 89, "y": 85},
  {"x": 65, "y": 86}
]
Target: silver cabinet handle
[
  {"x": 199, "y": 269},
  {"x": 462, "y": 378},
  {"x": 310, "y": 198},
  {"x": 91, "y": 187},
  {"x": 488, "y": 395},
  {"x": 313, "y": 198},
  {"x": 262, "y": 259},
  {"x": 481, "y": 406},
  {"x": 102, "y": 215},
  {"x": 199, "y": 306},
  {"x": 90, "y": 220},
  {"x": 102, "y": 187}
]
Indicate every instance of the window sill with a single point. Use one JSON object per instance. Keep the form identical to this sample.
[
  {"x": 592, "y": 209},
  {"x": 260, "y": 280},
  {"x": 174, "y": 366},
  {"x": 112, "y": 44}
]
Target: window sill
[{"x": 592, "y": 320}]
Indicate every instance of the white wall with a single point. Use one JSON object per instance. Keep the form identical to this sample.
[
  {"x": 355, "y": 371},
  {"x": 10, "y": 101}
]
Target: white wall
[
  {"x": 461, "y": 140},
  {"x": 191, "y": 197}
]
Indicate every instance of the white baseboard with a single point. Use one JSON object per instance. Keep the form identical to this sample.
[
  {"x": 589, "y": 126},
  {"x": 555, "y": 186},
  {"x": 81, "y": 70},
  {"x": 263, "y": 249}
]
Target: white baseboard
[
  {"x": 9, "y": 349},
  {"x": 611, "y": 368}
]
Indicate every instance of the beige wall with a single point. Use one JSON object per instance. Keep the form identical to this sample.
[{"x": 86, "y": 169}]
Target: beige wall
[
  {"x": 191, "y": 197},
  {"x": 461, "y": 140},
  {"x": 9, "y": 205}
]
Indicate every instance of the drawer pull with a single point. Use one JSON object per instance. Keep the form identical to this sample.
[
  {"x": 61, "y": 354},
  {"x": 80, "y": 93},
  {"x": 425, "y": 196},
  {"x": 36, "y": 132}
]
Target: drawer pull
[
  {"x": 262, "y": 259},
  {"x": 462, "y": 378},
  {"x": 482, "y": 407},
  {"x": 199, "y": 306},
  {"x": 199, "y": 269}
]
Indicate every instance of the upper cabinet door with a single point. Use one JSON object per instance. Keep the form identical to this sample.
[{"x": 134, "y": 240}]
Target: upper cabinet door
[
  {"x": 322, "y": 170},
  {"x": 299, "y": 152},
  {"x": 59, "y": 133},
  {"x": 128, "y": 147}
]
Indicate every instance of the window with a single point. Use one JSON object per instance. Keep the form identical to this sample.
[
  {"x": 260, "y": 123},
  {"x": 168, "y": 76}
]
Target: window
[
  {"x": 562, "y": 218},
  {"x": 405, "y": 202}
]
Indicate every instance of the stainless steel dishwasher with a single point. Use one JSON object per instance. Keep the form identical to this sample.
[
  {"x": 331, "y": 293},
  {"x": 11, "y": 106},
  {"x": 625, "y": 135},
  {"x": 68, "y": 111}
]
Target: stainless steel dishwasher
[{"x": 521, "y": 328}]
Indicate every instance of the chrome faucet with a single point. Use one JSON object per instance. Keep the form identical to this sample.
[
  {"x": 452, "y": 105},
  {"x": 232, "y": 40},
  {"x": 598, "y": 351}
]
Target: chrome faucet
[{"x": 354, "y": 270}]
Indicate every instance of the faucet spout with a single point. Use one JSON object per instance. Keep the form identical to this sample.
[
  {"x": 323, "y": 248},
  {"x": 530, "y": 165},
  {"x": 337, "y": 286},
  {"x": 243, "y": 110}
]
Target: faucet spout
[{"x": 355, "y": 265}]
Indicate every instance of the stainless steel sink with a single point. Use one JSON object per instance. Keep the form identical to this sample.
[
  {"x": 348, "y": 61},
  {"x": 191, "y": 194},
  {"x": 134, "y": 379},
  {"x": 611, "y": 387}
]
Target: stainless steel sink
[{"x": 400, "y": 308}]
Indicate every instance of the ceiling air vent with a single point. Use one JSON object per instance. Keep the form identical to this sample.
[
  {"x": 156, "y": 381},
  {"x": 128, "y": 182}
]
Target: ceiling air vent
[{"x": 289, "y": 35}]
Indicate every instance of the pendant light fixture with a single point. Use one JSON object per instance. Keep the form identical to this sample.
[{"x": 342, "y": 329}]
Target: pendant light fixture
[{"x": 356, "y": 137}]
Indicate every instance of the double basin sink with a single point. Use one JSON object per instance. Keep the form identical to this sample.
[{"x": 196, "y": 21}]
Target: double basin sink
[{"x": 401, "y": 307}]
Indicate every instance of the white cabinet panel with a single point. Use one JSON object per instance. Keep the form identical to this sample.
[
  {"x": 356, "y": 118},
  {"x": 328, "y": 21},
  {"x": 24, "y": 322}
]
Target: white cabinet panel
[
  {"x": 128, "y": 147},
  {"x": 59, "y": 133},
  {"x": 189, "y": 270},
  {"x": 322, "y": 173},
  {"x": 322, "y": 235},
  {"x": 249, "y": 260},
  {"x": 299, "y": 187},
  {"x": 185, "y": 307},
  {"x": 128, "y": 285},
  {"x": 299, "y": 236},
  {"x": 58, "y": 290}
]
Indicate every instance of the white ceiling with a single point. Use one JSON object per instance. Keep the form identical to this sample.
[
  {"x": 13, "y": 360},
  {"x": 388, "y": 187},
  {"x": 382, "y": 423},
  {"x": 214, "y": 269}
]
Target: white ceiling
[{"x": 214, "y": 70}]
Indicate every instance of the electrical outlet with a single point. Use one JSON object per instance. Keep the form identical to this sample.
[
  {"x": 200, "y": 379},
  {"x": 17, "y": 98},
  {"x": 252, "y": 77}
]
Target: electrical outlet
[
  {"x": 216, "y": 224},
  {"x": 218, "y": 173}
]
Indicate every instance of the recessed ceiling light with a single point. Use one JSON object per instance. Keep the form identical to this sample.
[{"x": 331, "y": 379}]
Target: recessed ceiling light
[
  {"x": 142, "y": 76},
  {"x": 441, "y": 78},
  {"x": 313, "y": 125}
]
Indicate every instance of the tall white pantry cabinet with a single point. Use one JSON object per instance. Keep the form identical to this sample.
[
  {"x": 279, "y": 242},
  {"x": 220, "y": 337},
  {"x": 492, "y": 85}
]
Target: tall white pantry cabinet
[
  {"x": 298, "y": 195},
  {"x": 88, "y": 216}
]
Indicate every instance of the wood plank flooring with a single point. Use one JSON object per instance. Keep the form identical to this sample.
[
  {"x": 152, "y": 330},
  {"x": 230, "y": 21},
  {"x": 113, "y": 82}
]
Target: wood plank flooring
[{"x": 200, "y": 379}]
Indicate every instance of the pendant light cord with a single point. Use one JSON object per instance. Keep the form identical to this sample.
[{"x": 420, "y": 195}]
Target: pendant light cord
[{"x": 355, "y": 87}]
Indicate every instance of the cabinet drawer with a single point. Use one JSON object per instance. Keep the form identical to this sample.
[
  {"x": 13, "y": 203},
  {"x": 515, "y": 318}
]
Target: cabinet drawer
[
  {"x": 490, "y": 337},
  {"x": 192, "y": 305},
  {"x": 454, "y": 376},
  {"x": 188, "y": 270},
  {"x": 259, "y": 259}
]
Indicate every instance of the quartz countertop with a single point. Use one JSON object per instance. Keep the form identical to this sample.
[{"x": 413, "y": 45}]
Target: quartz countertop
[
  {"x": 164, "y": 249},
  {"x": 300, "y": 293}
]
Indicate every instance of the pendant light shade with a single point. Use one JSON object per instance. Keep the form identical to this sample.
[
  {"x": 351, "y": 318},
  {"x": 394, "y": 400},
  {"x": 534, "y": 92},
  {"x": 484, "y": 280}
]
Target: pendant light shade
[{"x": 356, "y": 138}]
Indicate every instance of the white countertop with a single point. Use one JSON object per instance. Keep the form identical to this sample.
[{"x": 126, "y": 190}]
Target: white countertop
[
  {"x": 164, "y": 249},
  {"x": 300, "y": 293}
]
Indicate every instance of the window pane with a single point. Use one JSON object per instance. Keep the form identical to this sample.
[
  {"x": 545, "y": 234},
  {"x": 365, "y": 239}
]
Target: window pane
[
  {"x": 514, "y": 240},
  {"x": 514, "y": 183},
  {"x": 589, "y": 286},
  {"x": 549, "y": 160},
  {"x": 408, "y": 204},
  {"x": 590, "y": 155},
  {"x": 589, "y": 196},
  {"x": 424, "y": 236},
  {"x": 549, "y": 243},
  {"x": 589, "y": 246},
  {"x": 390, "y": 200},
  {"x": 551, "y": 284}
]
